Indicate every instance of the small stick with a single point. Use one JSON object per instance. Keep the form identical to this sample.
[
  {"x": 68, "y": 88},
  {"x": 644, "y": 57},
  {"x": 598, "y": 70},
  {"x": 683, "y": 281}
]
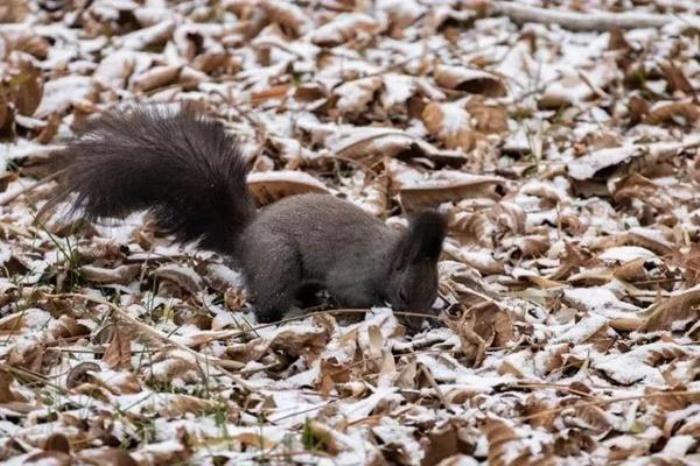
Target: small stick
[
  {"x": 598, "y": 21},
  {"x": 436, "y": 387}
]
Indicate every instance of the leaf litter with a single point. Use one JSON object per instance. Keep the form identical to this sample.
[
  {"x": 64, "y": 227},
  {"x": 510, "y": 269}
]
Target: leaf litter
[{"x": 564, "y": 151}]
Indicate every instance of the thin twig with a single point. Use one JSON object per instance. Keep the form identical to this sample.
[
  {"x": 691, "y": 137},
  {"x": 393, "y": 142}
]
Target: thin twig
[
  {"x": 598, "y": 21},
  {"x": 436, "y": 387}
]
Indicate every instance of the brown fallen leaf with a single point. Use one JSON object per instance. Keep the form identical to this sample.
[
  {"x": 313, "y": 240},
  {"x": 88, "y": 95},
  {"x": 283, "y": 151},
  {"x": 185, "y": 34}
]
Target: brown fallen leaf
[
  {"x": 289, "y": 16},
  {"x": 451, "y": 124},
  {"x": 449, "y": 188},
  {"x": 472, "y": 229},
  {"x": 617, "y": 40},
  {"x": 684, "y": 114},
  {"x": 538, "y": 412},
  {"x": 178, "y": 404},
  {"x": 274, "y": 92},
  {"x": 509, "y": 216},
  {"x": 122, "y": 274},
  {"x": 681, "y": 305},
  {"x": 7, "y": 395},
  {"x": 151, "y": 36},
  {"x": 5, "y": 116},
  {"x": 118, "y": 352},
  {"x": 67, "y": 327},
  {"x": 638, "y": 109},
  {"x": 595, "y": 417},
  {"x": 156, "y": 77},
  {"x": 676, "y": 79},
  {"x": 215, "y": 62},
  {"x": 502, "y": 438},
  {"x": 573, "y": 443},
  {"x": 354, "y": 97},
  {"x": 489, "y": 119},
  {"x": 307, "y": 342},
  {"x": 106, "y": 455},
  {"x": 344, "y": 28},
  {"x": 674, "y": 398},
  {"x": 376, "y": 143},
  {"x": 185, "y": 277},
  {"x": 322, "y": 437},
  {"x": 81, "y": 373},
  {"x": 470, "y": 80},
  {"x": 28, "y": 88},
  {"x": 57, "y": 442},
  {"x": 268, "y": 187},
  {"x": 584, "y": 168},
  {"x": 52, "y": 457},
  {"x": 14, "y": 11}
]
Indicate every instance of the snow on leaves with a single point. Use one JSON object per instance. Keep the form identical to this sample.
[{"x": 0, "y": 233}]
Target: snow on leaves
[{"x": 563, "y": 150}]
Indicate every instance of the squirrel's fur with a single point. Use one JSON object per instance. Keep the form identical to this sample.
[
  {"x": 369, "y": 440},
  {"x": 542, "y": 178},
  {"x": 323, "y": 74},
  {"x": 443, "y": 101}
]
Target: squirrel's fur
[{"x": 187, "y": 170}]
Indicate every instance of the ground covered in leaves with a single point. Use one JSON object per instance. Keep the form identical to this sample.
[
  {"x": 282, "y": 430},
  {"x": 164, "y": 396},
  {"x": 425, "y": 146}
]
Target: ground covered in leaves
[{"x": 564, "y": 150}]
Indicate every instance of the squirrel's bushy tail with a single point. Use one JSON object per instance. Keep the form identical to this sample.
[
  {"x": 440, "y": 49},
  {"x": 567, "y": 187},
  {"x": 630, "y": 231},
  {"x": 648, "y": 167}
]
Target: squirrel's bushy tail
[{"x": 181, "y": 165}]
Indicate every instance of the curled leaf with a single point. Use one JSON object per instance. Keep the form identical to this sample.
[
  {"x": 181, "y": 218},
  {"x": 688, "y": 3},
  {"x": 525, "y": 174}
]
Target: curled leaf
[
  {"x": 470, "y": 80},
  {"x": 268, "y": 187}
]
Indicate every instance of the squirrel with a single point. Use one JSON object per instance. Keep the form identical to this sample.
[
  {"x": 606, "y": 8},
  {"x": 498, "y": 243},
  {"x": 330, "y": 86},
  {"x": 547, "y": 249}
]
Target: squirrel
[{"x": 188, "y": 171}]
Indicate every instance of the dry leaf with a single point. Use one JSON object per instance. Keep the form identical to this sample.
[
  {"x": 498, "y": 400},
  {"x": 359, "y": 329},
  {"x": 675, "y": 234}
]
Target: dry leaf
[
  {"x": 501, "y": 438},
  {"x": 29, "y": 88},
  {"x": 7, "y": 395},
  {"x": 372, "y": 143},
  {"x": 470, "y": 80},
  {"x": 14, "y": 11},
  {"x": 355, "y": 96},
  {"x": 268, "y": 187},
  {"x": 80, "y": 374},
  {"x": 449, "y": 187},
  {"x": 587, "y": 166},
  {"x": 148, "y": 37},
  {"x": 61, "y": 93},
  {"x": 676, "y": 79},
  {"x": 57, "y": 442},
  {"x": 594, "y": 417},
  {"x": 185, "y": 277},
  {"x": 451, "y": 125},
  {"x": 275, "y": 92},
  {"x": 677, "y": 113},
  {"x": 288, "y": 15},
  {"x": 106, "y": 455},
  {"x": 345, "y": 27},
  {"x": 122, "y": 274},
  {"x": 488, "y": 119},
  {"x": 118, "y": 353},
  {"x": 156, "y": 77},
  {"x": 681, "y": 305}
]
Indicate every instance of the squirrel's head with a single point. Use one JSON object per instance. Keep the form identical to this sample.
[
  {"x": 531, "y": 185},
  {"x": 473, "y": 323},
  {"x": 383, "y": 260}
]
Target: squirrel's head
[{"x": 413, "y": 285}]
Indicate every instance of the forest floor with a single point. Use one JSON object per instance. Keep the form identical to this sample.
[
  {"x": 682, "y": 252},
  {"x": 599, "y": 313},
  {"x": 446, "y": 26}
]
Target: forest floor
[{"x": 562, "y": 143}]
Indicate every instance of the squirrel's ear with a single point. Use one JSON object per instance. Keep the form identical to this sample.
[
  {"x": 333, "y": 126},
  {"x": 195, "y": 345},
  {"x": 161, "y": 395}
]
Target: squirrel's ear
[{"x": 423, "y": 240}]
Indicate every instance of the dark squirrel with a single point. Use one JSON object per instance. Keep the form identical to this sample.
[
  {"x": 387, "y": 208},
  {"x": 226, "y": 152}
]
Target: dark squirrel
[{"x": 187, "y": 170}]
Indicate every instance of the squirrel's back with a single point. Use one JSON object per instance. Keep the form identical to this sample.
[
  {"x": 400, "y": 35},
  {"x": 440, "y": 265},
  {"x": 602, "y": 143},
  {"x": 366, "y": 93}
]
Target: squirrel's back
[
  {"x": 181, "y": 165},
  {"x": 327, "y": 232}
]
